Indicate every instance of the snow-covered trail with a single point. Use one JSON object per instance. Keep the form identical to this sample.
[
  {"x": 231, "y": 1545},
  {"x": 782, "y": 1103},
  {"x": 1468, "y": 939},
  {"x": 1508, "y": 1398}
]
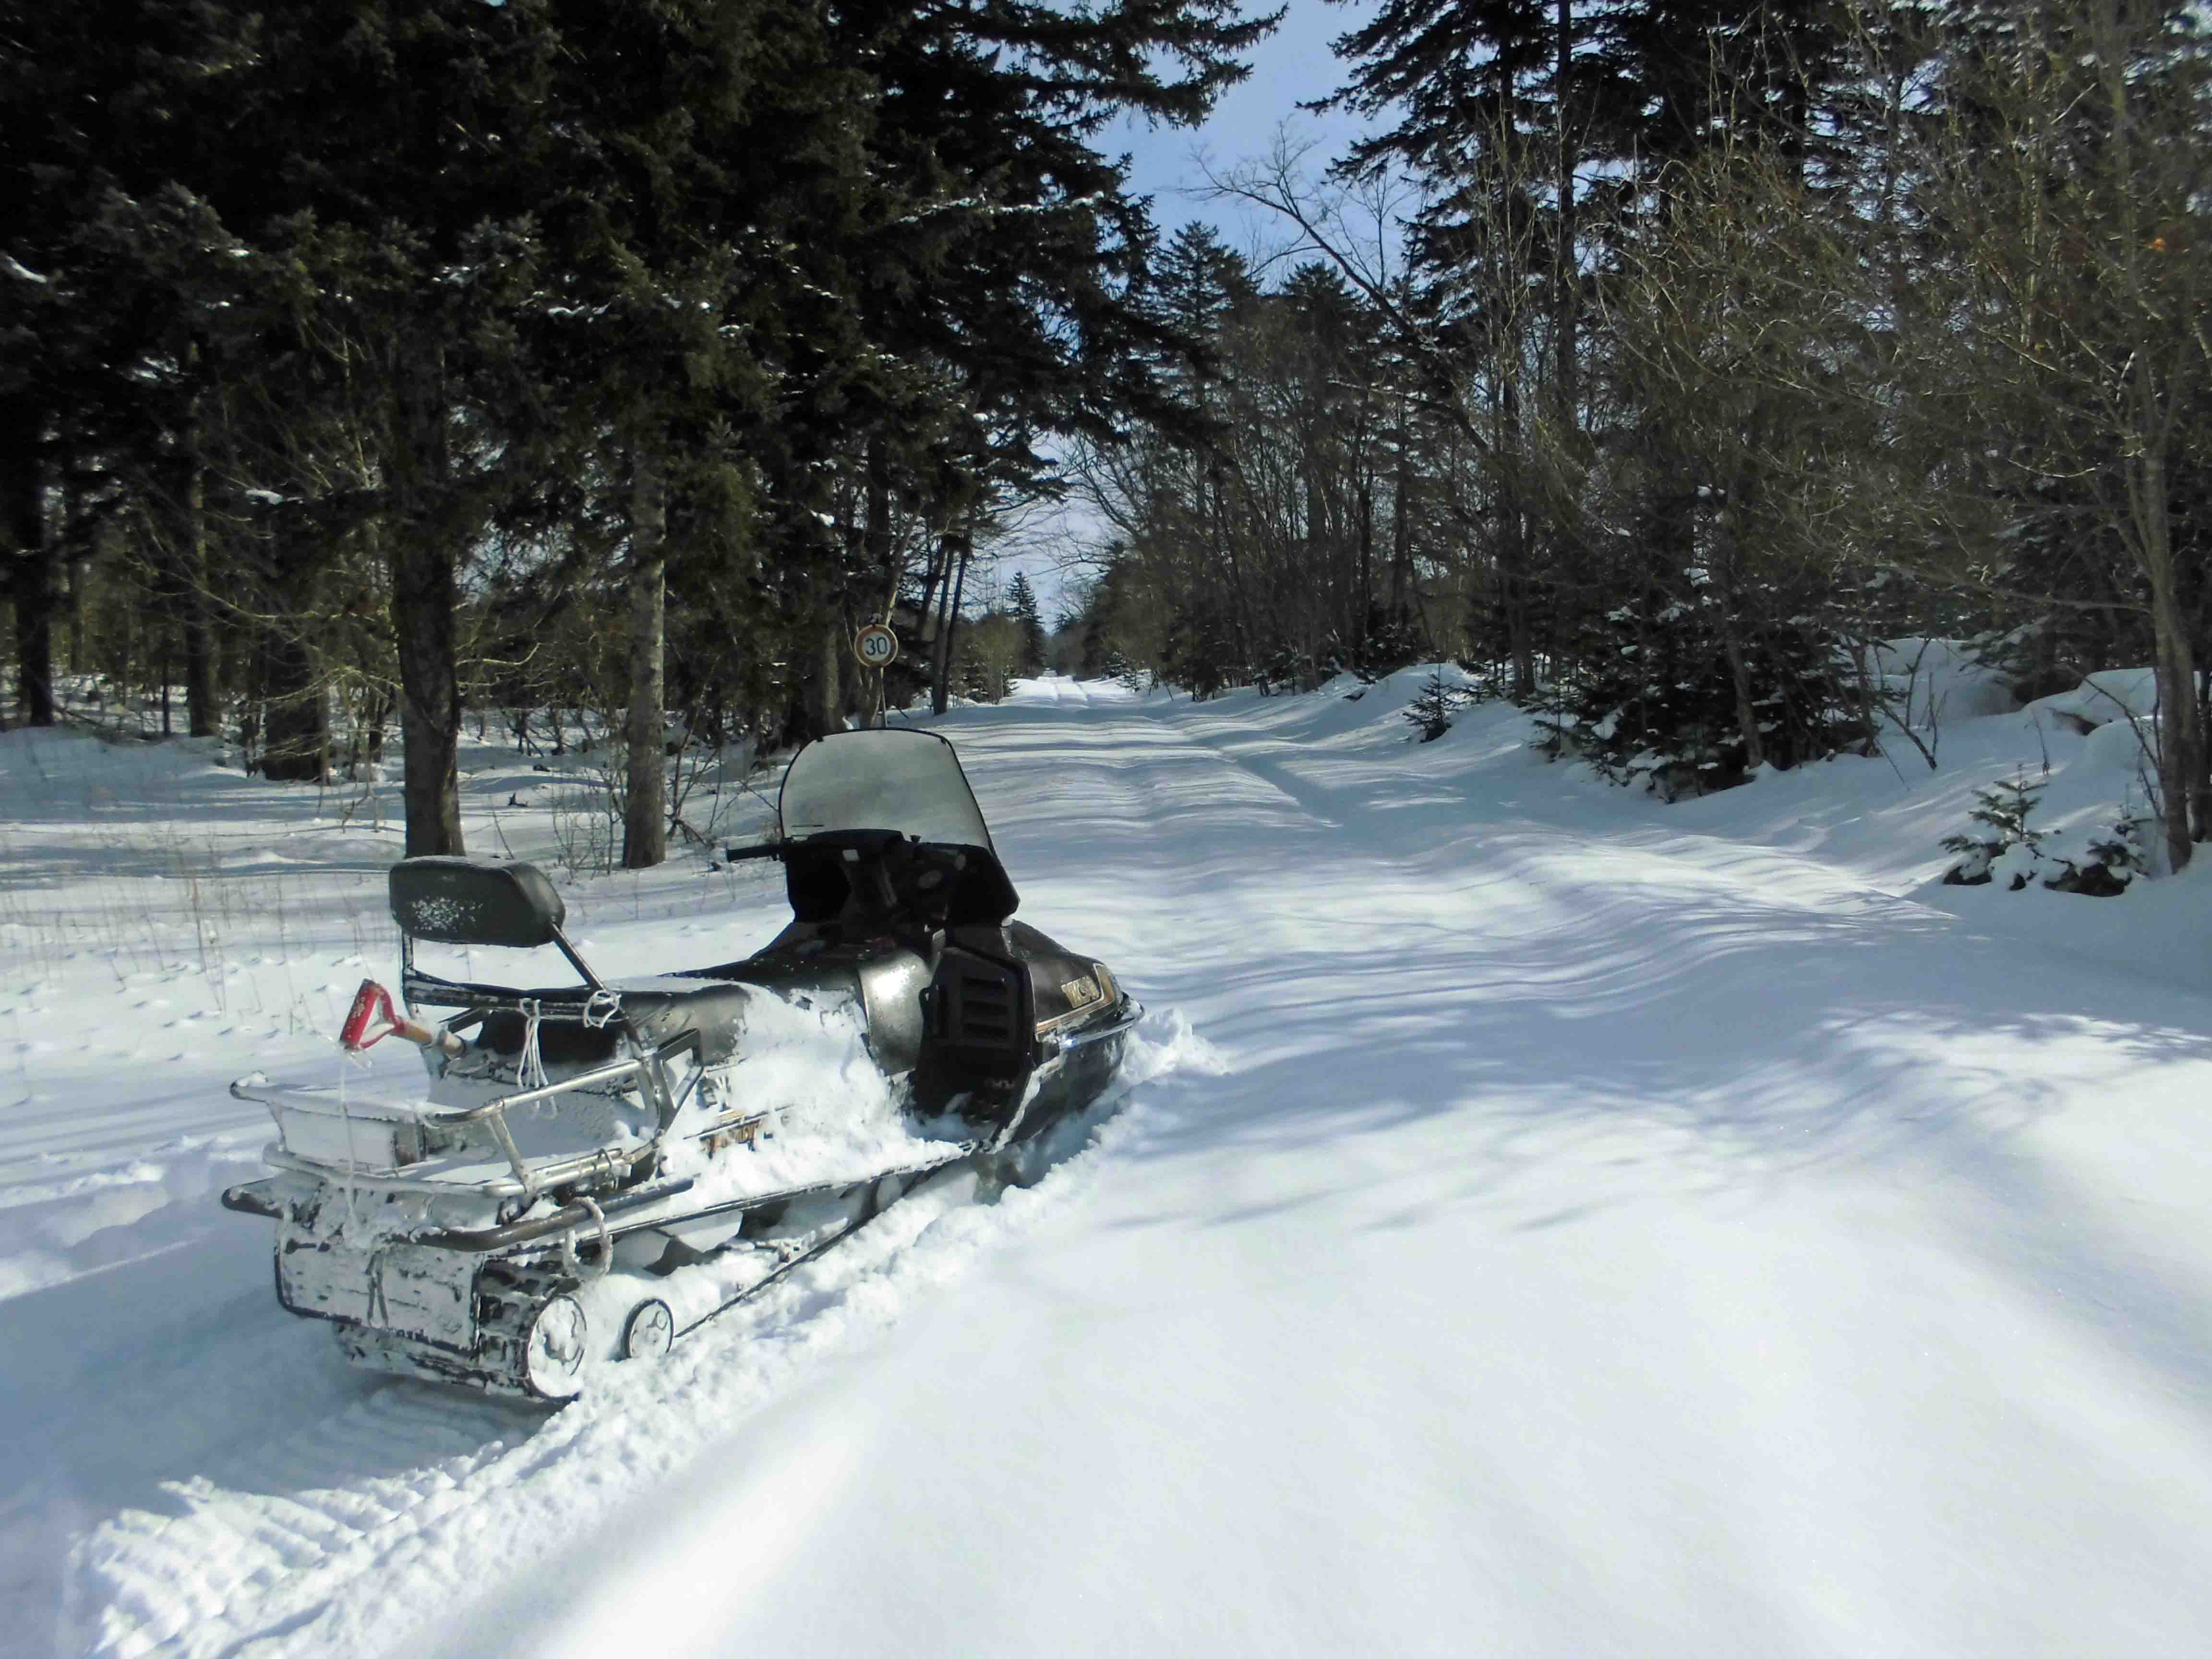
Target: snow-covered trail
[
  {"x": 1605, "y": 1240},
  {"x": 1598, "y": 1236}
]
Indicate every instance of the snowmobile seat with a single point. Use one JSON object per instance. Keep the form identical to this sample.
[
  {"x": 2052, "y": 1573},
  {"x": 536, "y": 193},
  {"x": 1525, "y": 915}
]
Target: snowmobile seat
[
  {"x": 716, "y": 1011},
  {"x": 660, "y": 1010}
]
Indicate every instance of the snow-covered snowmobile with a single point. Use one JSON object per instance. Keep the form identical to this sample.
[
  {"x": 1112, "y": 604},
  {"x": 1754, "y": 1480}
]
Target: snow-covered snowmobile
[{"x": 596, "y": 1168}]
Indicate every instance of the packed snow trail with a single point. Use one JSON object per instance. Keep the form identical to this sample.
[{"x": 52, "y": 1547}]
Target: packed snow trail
[{"x": 1591, "y": 1234}]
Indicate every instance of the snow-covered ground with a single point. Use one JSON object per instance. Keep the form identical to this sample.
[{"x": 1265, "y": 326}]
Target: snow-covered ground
[{"x": 1543, "y": 1222}]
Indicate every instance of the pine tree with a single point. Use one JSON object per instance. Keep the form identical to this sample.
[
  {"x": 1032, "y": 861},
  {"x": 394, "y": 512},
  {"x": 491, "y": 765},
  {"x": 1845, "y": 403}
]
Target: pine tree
[
  {"x": 113, "y": 279},
  {"x": 412, "y": 137},
  {"x": 2002, "y": 811},
  {"x": 699, "y": 308},
  {"x": 975, "y": 679},
  {"x": 1432, "y": 709},
  {"x": 1021, "y": 602}
]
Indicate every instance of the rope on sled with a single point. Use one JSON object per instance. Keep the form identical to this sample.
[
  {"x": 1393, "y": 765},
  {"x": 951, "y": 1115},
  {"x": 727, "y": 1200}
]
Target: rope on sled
[{"x": 530, "y": 1067}]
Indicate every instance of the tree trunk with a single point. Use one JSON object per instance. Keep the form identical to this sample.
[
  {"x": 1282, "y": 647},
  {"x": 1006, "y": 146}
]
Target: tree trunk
[
  {"x": 131, "y": 619},
  {"x": 828, "y": 712},
  {"x": 881, "y": 550},
  {"x": 203, "y": 719},
  {"x": 1746, "y": 712},
  {"x": 1238, "y": 605},
  {"x": 2147, "y": 428},
  {"x": 366, "y": 748},
  {"x": 30, "y": 557},
  {"x": 1565, "y": 281},
  {"x": 203, "y": 715},
  {"x": 878, "y": 546},
  {"x": 937, "y": 570},
  {"x": 424, "y": 593},
  {"x": 295, "y": 717},
  {"x": 1363, "y": 603},
  {"x": 1513, "y": 543},
  {"x": 645, "y": 819},
  {"x": 933, "y": 629},
  {"x": 940, "y": 691},
  {"x": 1401, "y": 541},
  {"x": 2200, "y": 782},
  {"x": 297, "y": 724},
  {"x": 2181, "y": 740},
  {"x": 80, "y": 577}
]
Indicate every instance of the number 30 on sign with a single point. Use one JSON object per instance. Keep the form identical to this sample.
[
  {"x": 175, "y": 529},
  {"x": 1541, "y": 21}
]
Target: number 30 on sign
[{"x": 876, "y": 645}]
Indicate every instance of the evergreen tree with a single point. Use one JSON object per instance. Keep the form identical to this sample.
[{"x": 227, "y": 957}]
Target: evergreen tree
[
  {"x": 787, "y": 284},
  {"x": 974, "y": 679},
  {"x": 1430, "y": 711},
  {"x": 1021, "y": 603},
  {"x": 114, "y": 279}
]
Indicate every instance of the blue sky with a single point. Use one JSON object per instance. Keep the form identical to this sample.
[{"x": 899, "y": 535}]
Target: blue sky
[{"x": 1291, "y": 66}]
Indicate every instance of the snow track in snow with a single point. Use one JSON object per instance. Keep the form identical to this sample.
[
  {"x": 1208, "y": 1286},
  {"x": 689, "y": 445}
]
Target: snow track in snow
[
  {"x": 337, "y": 1533},
  {"x": 314, "y": 1506}
]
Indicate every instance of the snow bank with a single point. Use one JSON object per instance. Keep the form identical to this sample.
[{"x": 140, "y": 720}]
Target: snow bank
[{"x": 2113, "y": 693}]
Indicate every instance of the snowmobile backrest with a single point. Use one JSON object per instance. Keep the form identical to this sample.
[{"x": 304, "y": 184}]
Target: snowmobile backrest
[{"x": 450, "y": 901}]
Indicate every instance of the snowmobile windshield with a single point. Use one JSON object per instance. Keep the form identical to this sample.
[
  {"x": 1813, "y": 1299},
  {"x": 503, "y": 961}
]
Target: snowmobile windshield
[{"x": 910, "y": 781}]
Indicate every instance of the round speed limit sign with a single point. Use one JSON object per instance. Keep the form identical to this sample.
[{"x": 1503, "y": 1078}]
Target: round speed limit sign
[{"x": 876, "y": 645}]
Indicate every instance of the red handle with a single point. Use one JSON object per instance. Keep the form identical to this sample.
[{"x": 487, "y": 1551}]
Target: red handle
[{"x": 373, "y": 1017}]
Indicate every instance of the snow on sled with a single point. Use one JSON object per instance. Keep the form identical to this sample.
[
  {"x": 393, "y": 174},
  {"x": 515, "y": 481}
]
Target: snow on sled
[{"x": 596, "y": 1168}]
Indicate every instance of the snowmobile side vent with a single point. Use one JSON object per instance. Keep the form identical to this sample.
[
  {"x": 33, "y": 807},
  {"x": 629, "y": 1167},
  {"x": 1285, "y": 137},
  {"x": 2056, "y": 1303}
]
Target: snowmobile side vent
[{"x": 978, "y": 1003}]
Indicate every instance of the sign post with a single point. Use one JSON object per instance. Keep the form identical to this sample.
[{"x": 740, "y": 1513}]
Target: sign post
[{"x": 877, "y": 648}]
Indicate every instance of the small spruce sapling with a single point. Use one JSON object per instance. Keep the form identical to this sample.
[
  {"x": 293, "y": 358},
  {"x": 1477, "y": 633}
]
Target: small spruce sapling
[
  {"x": 2119, "y": 855},
  {"x": 2001, "y": 810},
  {"x": 1129, "y": 676},
  {"x": 975, "y": 679},
  {"x": 1430, "y": 711}
]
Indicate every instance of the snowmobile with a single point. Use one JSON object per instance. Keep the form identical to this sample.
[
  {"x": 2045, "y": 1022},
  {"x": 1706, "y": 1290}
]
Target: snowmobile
[{"x": 596, "y": 1168}]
